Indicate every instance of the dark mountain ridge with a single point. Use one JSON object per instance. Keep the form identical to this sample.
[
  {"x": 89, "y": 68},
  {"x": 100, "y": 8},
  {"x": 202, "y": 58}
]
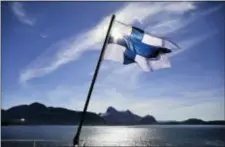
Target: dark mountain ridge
[
  {"x": 39, "y": 114},
  {"x": 115, "y": 117}
]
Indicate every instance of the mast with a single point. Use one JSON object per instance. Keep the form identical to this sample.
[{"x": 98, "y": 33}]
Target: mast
[{"x": 76, "y": 138}]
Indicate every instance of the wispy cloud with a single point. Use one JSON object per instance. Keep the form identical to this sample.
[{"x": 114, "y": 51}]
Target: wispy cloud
[
  {"x": 170, "y": 23},
  {"x": 75, "y": 46},
  {"x": 43, "y": 35},
  {"x": 21, "y": 14},
  {"x": 163, "y": 108},
  {"x": 204, "y": 104},
  {"x": 187, "y": 44}
]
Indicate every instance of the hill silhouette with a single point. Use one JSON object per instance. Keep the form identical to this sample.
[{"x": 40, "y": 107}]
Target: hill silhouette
[
  {"x": 115, "y": 117},
  {"x": 39, "y": 114}
]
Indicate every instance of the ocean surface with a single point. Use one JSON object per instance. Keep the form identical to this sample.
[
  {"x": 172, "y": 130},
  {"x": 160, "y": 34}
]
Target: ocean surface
[{"x": 150, "y": 135}]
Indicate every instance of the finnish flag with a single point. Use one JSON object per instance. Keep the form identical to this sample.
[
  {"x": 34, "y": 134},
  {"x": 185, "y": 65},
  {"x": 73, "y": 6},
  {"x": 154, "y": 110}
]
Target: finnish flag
[{"x": 129, "y": 45}]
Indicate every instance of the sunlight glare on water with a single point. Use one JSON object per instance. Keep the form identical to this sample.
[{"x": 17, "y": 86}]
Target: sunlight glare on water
[
  {"x": 119, "y": 136},
  {"x": 150, "y": 135}
]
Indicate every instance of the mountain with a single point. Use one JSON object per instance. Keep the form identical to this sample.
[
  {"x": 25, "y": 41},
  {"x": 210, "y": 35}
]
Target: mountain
[
  {"x": 193, "y": 121},
  {"x": 147, "y": 120},
  {"x": 114, "y": 117},
  {"x": 37, "y": 114}
]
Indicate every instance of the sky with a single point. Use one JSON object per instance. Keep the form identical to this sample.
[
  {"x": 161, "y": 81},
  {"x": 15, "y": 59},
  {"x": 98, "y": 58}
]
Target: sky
[{"x": 50, "y": 50}]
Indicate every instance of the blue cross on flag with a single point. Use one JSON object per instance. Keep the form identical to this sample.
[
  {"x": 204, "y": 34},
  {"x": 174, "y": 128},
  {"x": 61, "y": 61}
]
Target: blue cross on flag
[{"x": 129, "y": 45}]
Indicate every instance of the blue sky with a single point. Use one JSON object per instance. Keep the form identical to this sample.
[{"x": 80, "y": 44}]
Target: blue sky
[{"x": 50, "y": 50}]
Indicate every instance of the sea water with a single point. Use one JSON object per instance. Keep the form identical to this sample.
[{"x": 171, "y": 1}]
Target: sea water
[{"x": 148, "y": 135}]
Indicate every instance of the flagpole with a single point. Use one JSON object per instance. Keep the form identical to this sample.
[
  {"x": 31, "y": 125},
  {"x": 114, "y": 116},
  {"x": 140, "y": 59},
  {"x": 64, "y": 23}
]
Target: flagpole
[{"x": 76, "y": 137}]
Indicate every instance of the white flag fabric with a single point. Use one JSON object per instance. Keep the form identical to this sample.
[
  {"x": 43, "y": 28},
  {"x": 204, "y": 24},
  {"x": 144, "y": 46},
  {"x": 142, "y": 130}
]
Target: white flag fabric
[{"x": 129, "y": 45}]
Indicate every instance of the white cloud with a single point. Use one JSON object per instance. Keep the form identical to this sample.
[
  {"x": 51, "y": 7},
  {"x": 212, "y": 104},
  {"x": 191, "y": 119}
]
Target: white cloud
[
  {"x": 180, "y": 7},
  {"x": 191, "y": 42},
  {"x": 186, "y": 103},
  {"x": 203, "y": 107},
  {"x": 42, "y": 35},
  {"x": 19, "y": 11},
  {"x": 123, "y": 75},
  {"x": 74, "y": 47},
  {"x": 170, "y": 23},
  {"x": 207, "y": 104},
  {"x": 204, "y": 104}
]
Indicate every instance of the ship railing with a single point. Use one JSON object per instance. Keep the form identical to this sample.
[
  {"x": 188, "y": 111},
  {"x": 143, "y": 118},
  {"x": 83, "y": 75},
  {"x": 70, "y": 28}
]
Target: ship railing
[{"x": 35, "y": 143}]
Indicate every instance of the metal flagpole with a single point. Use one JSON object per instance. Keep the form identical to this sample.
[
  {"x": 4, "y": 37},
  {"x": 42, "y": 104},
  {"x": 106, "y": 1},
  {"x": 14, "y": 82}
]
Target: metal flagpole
[{"x": 76, "y": 138}]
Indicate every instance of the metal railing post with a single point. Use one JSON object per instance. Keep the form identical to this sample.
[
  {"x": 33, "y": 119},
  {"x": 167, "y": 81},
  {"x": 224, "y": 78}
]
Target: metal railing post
[{"x": 34, "y": 144}]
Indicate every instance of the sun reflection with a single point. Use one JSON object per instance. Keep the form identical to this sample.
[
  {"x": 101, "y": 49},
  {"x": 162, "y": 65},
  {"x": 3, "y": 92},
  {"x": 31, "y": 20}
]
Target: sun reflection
[
  {"x": 116, "y": 34},
  {"x": 116, "y": 136}
]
